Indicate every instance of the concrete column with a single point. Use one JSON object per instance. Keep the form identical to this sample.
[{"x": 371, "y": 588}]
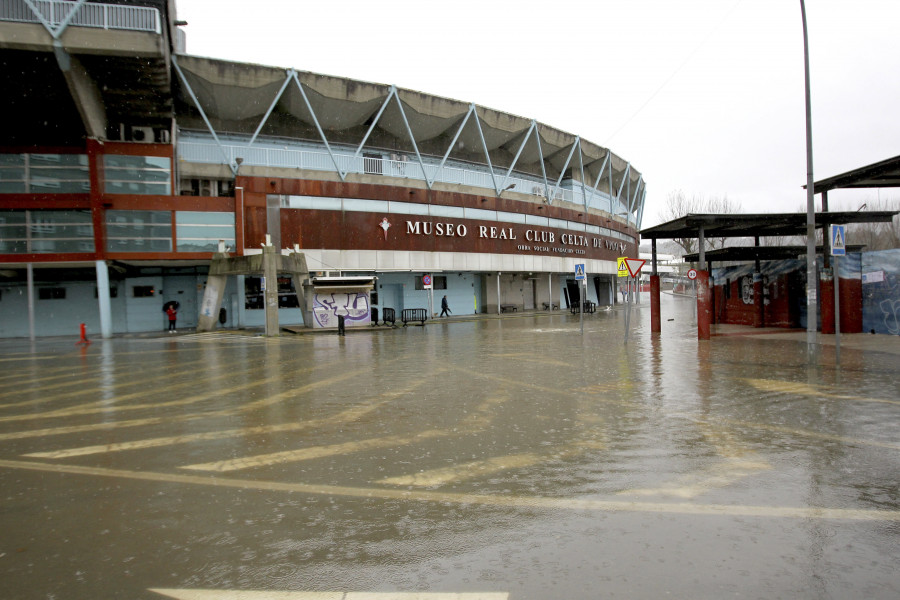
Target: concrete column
[
  {"x": 498, "y": 293},
  {"x": 103, "y": 299},
  {"x": 212, "y": 301},
  {"x": 270, "y": 274},
  {"x": 29, "y": 276}
]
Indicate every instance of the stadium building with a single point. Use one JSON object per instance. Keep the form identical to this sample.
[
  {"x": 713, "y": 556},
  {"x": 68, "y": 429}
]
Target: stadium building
[{"x": 127, "y": 164}]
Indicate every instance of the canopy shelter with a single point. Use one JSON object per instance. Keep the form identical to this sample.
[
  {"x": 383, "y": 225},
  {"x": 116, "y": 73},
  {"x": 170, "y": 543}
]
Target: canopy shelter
[
  {"x": 877, "y": 175},
  {"x": 756, "y": 226}
]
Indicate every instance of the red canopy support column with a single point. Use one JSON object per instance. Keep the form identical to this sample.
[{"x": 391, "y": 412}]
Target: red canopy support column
[
  {"x": 704, "y": 305},
  {"x": 655, "y": 318}
]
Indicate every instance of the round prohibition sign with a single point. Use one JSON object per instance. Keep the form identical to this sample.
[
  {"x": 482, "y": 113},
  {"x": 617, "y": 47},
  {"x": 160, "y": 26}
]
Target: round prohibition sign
[
  {"x": 692, "y": 274},
  {"x": 426, "y": 279}
]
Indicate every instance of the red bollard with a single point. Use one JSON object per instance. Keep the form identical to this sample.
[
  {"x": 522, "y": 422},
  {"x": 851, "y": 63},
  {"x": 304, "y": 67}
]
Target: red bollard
[{"x": 83, "y": 339}]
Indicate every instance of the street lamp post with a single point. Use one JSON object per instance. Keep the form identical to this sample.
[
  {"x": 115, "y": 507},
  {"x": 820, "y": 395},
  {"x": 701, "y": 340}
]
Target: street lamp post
[{"x": 811, "y": 304}]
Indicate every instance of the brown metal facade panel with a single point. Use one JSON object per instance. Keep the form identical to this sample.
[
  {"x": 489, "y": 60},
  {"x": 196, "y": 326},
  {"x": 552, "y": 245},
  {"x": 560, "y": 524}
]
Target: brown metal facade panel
[{"x": 334, "y": 230}]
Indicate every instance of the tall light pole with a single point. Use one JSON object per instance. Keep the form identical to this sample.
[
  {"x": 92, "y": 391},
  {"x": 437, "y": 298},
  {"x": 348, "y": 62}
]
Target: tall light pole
[{"x": 811, "y": 305}]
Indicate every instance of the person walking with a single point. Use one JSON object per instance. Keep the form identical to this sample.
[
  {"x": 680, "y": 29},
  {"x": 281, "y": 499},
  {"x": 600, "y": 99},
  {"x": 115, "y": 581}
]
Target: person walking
[
  {"x": 445, "y": 307},
  {"x": 172, "y": 313}
]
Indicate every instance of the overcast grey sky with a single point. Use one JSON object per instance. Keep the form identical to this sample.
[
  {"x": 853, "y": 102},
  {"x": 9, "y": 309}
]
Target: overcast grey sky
[{"x": 703, "y": 96}]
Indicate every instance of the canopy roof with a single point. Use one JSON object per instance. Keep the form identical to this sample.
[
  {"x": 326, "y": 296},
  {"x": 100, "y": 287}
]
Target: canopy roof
[
  {"x": 884, "y": 174},
  {"x": 759, "y": 224},
  {"x": 746, "y": 253},
  {"x": 254, "y": 99}
]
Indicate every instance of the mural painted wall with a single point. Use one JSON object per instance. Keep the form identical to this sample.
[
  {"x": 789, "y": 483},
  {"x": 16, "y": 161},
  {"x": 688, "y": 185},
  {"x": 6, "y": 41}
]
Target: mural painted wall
[
  {"x": 353, "y": 306},
  {"x": 881, "y": 291}
]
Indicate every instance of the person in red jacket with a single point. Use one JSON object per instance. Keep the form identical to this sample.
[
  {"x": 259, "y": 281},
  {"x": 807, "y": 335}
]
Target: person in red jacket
[{"x": 172, "y": 312}]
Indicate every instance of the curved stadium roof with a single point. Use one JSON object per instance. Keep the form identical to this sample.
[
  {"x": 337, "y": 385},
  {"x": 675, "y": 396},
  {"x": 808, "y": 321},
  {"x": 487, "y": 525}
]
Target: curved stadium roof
[{"x": 256, "y": 100}]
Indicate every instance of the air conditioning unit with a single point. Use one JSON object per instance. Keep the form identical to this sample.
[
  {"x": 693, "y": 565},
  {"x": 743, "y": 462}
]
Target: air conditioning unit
[{"x": 142, "y": 134}]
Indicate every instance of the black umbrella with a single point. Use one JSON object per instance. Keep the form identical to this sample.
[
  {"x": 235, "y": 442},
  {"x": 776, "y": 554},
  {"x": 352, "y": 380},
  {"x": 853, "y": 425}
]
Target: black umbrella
[{"x": 170, "y": 303}]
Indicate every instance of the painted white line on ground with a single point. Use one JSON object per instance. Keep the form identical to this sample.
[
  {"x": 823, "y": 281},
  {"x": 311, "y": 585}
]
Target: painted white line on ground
[
  {"x": 276, "y": 458},
  {"x": 805, "y": 389},
  {"x": 691, "y": 485},
  {"x": 517, "y": 502},
  {"x": 276, "y": 595},
  {"x": 461, "y": 472}
]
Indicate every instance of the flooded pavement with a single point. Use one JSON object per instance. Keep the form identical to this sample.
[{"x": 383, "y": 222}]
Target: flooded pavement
[{"x": 491, "y": 458}]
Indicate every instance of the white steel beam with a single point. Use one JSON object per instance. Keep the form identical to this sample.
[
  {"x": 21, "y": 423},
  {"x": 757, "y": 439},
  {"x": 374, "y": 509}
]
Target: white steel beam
[{"x": 287, "y": 80}]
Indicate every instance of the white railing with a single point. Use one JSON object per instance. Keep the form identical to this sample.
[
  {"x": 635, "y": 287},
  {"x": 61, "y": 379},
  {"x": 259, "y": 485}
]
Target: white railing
[
  {"x": 99, "y": 16},
  {"x": 192, "y": 150}
]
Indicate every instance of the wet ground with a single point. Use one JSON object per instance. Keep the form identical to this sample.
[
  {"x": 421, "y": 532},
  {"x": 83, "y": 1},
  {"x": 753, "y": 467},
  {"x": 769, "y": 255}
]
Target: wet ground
[{"x": 487, "y": 458}]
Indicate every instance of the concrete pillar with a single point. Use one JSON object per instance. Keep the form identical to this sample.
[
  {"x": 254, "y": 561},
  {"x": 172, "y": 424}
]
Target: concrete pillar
[
  {"x": 270, "y": 276},
  {"x": 704, "y": 305},
  {"x": 103, "y": 299},
  {"x": 29, "y": 276},
  {"x": 212, "y": 301}
]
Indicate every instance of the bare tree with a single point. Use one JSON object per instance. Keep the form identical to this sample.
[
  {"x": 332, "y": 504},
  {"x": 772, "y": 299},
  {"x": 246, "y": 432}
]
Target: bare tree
[
  {"x": 877, "y": 236},
  {"x": 679, "y": 205}
]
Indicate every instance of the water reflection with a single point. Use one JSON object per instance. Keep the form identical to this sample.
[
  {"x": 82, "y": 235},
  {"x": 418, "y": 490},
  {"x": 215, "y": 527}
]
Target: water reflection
[{"x": 415, "y": 453}]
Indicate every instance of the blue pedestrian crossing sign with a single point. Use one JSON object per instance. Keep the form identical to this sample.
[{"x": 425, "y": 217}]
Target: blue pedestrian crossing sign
[
  {"x": 579, "y": 272},
  {"x": 838, "y": 241}
]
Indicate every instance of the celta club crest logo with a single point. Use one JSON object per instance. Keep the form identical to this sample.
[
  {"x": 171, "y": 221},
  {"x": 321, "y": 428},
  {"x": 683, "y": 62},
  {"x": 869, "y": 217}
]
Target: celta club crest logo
[{"x": 385, "y": 225}]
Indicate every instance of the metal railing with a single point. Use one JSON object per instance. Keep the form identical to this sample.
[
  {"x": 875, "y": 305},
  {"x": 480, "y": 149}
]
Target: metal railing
[
  {"x": 98, "y": 16},
  {"x": 193, "y": 150}
]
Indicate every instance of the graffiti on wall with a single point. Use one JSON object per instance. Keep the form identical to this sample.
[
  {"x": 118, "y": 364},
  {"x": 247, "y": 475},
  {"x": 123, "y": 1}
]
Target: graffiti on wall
[
  {"x": 747, "y": 289},
  {"x": 353, "y": 306},
  {"x": 881, "y": 291}
]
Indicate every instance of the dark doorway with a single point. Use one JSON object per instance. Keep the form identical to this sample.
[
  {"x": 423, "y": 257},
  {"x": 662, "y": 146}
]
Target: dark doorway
[{"x": 573, "y": 293}]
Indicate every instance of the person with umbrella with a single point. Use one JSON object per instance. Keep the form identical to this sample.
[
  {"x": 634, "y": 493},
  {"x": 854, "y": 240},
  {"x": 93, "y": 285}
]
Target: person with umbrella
[{"x": 171, "y": 310}]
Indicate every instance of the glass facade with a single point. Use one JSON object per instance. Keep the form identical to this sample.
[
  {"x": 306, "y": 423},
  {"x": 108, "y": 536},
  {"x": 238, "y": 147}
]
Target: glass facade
[
  {"x": 45, "y": 231},
  {"x": 201, "y": 231},
  {"x": 142, "y": 175},
  {"x": 44, "y": 173},
  {"x": 139, "y": 231}
]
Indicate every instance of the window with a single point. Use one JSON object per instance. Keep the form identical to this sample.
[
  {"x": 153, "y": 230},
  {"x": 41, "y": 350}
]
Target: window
[
  {"x": 113, "y": 292},
  {"x": 254, "y": 296},
  {"x": 44, "y": 173},
  {"x": 143, "y": 291},
  {"x": 44, "y": 231},
  {"x": 52, "y": 293},
  {"x": 201, "y": 231},
  {"x": 138, "y": 231},
  {"x": 438, "y": 282},
  {"x": 287, "y": 295},
  {"x": 143, "y": 175}
]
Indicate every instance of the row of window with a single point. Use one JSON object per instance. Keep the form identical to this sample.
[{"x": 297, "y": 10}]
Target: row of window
[
  {"x": 45, "y": 231},
  {"x": 70, "y": 174}
]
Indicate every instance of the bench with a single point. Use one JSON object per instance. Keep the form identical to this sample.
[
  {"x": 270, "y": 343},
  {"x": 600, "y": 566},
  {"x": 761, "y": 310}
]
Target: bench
[
  {"x": 548, "y": 306},
  {"x": 389, "y": 316},
  {"x": 508, "y": 307},
  {"x": 413, "y": 314}
]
